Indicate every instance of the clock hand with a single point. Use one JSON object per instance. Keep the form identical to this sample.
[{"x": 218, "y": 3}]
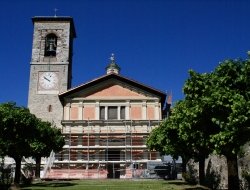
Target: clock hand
[{"x": 46, "y": 79}]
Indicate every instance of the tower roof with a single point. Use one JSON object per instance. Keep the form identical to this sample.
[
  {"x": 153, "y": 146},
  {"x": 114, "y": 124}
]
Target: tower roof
[{"x": 113, "y": 67}]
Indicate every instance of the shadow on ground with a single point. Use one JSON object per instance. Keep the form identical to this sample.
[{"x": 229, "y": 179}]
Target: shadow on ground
[
  {"x": 177, "y": 183},
  {"x": 56, "y": 184},
  {"x": 196, "y": 188},
  {"x": 185, "y": 183}
]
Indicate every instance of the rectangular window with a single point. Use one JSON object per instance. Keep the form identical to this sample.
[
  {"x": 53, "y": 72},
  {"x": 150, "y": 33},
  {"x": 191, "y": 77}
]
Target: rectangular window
[
  {"x": 122, "y": 112},
  {"x": 102, "y": 112},
  {"x": 112, "y": 112}
]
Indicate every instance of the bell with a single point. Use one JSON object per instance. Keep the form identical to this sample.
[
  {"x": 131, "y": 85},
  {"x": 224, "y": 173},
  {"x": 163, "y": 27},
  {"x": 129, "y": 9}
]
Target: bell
[
  {"x": 51, "y": 47},
  {"x": 51, "y": 44}
]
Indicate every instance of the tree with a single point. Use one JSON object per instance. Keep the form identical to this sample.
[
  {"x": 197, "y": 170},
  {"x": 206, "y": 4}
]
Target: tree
[
  {"x": 225, "y": 100},
  {"x": 214, "y": 116},
  {"x": 48, "y": 138},
  {"x": 229, "y": 98},
  {"x": 198, "y": 126},
  {"x": 22, "y": 134},
  {"x": 166, "y": 140},
  {"x": 184, "y": 134},
  {"x": 17, "y": 129}
]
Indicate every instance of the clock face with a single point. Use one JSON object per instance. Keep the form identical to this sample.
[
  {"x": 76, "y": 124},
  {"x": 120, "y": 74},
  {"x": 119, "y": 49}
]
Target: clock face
[{"x": 48, "y": 80}]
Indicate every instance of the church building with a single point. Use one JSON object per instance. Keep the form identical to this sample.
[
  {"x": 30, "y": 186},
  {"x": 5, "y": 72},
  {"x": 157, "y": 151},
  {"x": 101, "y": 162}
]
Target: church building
[{"x": 105, "y": 121}]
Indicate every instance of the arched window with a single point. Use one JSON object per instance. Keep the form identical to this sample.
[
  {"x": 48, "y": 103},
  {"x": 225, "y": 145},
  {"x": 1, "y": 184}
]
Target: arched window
[{"x": 50, "y": 45}]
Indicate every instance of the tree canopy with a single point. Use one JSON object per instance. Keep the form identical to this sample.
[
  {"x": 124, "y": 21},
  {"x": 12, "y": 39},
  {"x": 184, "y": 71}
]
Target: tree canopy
[
  {"x": 213, "y": 117},
  {"x": 17, "y": 129},
  {"x": 23, "y": 134},
  {"x": 48, "y": 138}
]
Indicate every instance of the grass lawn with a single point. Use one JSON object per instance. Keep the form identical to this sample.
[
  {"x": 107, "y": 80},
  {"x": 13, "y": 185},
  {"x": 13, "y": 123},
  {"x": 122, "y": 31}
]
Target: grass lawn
[{"x": 132, "y": 184}]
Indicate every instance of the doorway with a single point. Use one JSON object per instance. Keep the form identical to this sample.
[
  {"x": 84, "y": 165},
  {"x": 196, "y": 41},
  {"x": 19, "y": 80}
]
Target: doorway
[{"x": 113, "y": 168}]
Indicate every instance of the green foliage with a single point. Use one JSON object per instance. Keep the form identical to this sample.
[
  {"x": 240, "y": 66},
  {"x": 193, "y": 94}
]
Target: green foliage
[
  {"x": 17, "y": 129},
  {"x": 167, "y": 138},
  {"x": 48, "y": 138},
  {"x": 213, "y": 117},
  {"x": 224, "y": 97},
  {"x": 23, "y": 134},
  {"x": 231, "y": 105}
]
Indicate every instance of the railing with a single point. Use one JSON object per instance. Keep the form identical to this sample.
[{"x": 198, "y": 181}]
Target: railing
[{"x": 110, "y": 122}]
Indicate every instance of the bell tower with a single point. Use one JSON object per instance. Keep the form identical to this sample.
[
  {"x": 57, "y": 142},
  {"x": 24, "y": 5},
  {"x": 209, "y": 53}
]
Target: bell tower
[{"x": 51, "y": 66}]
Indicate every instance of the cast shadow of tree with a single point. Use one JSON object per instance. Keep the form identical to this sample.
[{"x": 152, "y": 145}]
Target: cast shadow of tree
[
  {"x": 55, "y": 184},
  {"x": 196, "y": 188}
]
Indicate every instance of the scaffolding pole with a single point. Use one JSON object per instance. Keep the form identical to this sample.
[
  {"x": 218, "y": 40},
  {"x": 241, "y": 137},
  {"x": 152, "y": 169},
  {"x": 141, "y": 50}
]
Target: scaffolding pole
[
  {"x": 88, "y": 148},
  {"x": 69, "y": 151}
]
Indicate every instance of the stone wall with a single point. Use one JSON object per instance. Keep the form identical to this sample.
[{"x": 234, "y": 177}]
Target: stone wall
[{"x": 46, "y": 104}]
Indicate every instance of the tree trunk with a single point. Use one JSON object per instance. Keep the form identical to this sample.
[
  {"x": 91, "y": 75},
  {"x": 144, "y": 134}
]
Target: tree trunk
[
  {"x": 184, "y": 165},
  {"x": 202, "y": 170},
  {"x": 18, "y": 169},
  {"x": 233, "y": 177},
  {"x": 38, "y": 166}
]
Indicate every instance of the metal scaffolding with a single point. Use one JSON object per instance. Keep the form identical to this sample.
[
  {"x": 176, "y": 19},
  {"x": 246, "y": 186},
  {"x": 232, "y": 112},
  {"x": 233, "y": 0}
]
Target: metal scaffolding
[{"x": 104, "y": 149}]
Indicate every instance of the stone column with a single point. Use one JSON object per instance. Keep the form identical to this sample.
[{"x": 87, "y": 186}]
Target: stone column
[
  {"x": 157, "y": 115},
  {"x": 106, "y": 112},
  {"x": 127, "y": 111},
  {"x": 160, "y": 111},
  {"x": 80, "y": 111},
  {"x": 97, "y": 110},
  {"x": 119, "y": 112},
  {"x": 67, "y": 111},
  {"x": 144, "y": 110}
]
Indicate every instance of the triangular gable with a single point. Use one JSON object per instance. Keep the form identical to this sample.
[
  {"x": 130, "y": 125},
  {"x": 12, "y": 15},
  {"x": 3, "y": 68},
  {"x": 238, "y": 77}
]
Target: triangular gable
[
  {"x": 115, "y": 85},
  {"x": 115, "y": 90}
]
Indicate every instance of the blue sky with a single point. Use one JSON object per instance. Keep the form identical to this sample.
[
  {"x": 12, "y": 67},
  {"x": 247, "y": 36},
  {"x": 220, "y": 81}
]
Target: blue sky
[{"x": 155, "y": 42}]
